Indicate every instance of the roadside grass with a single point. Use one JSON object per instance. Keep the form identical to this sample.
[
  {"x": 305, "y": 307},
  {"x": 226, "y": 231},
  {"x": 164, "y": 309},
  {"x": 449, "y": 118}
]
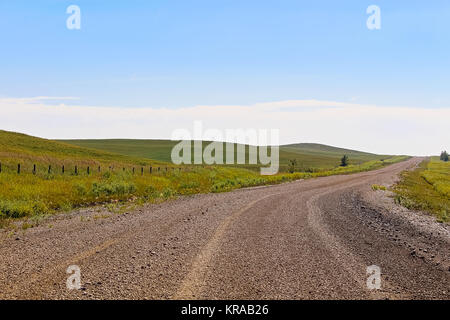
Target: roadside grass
[
  {"x": 378, "y": 187},
  {"x": 426, "y": 188}
]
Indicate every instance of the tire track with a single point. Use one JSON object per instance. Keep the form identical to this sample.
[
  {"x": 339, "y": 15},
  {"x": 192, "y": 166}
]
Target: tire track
[{"x": 193, "y": 283}]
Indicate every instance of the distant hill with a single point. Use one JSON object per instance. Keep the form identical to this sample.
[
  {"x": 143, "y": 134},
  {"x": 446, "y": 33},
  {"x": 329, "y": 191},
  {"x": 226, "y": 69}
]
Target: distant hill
[
  {"x": 308, "y": 155},
  {"x": 17, "y": 147},
  {"x": 316, "y": 148}
]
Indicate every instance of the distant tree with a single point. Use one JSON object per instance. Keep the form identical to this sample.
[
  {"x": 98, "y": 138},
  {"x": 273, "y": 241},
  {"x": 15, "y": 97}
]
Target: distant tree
[
  {"x": 444, "y": 156},
  {"x": 292, "y": 165},
  {"x": 344, "y": 161}
]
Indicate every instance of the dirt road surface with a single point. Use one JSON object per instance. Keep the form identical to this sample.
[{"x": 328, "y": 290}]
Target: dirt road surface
[{"x": 310, "y": 239}]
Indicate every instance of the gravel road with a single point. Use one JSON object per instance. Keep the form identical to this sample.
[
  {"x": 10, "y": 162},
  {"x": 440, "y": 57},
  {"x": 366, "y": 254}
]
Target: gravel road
[{"x": 310, "y": 239}]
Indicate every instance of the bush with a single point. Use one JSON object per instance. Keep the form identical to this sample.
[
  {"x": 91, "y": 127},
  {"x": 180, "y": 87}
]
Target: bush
[
  {"x": 80, "y": 189},
  {"x": 168, "y": 193},
  {"x": 344, "y": 161},
  {"x": 112, "y": 188},
  {"x": 292, "y": 165},
  {"x": 150, "y": 191},
  {"x": 19, "y": 209}
]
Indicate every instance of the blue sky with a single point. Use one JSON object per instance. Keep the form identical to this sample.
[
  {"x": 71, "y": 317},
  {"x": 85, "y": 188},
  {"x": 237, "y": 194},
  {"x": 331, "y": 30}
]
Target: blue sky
[
  {"x": 310, "y": 69},
  {"x": 185, "y": 53}
]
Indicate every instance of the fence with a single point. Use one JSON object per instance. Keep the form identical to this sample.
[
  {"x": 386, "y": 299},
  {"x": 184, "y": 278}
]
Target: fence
[{"x": 62, "y": 169}]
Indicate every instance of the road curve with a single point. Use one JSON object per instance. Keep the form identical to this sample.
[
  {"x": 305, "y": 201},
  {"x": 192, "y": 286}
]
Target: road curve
[{"x": 310, "y": 239}]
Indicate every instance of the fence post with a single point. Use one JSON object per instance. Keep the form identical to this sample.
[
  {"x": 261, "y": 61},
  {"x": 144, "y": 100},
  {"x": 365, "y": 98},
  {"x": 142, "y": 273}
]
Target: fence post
[
  {"x": 0, "y": 167},
  {"x": 18, "y": 168},
  {"x": 62, "y": 169},
  {"x": 98, "y": 168},
  {"x": 49, "y": 169},
  {"x": 150, "y": 169},
  {"x": 76, "y": 170},
  {"x": 142, "y": 171},
  {"x": 88, "y": 170},
  {"x": 34, "y": 169}
]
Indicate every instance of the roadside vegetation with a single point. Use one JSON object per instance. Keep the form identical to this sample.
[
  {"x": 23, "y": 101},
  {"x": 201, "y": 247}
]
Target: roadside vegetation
[
  {"x": 30, "y": 193},
  {"x": 344, "y": 161},
  {"x": 427, "y": 188},
  {"x": 376, "y": 187}
]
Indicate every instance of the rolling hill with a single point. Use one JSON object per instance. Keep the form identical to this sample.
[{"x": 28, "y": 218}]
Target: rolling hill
[{"x": 309, "y": 156}]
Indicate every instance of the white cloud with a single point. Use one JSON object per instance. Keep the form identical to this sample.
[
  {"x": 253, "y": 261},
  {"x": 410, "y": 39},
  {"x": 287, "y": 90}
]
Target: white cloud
[{"x": 388, "y": 130}]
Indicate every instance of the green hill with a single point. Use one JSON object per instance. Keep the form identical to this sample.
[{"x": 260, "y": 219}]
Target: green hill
[
  {"x": 309, "y": 156},
  {"x": 316, "y": 148},
  {"x": 31, "y": 150},
  {"x": 149, "y": 149}
]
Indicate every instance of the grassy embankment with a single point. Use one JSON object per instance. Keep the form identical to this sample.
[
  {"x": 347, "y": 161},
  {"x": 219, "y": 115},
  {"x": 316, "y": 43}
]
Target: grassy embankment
[
  {"x": 427, "y": 188},
  {"x": 34, "y": 195}
]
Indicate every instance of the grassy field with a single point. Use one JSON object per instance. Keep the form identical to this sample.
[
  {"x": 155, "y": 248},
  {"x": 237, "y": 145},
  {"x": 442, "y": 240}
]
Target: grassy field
[
  {"x": 427, "y": 188},
  {"x": 309, "y": 156},
  {"x": 33, "y": 195},
  {"x": 20, "y": 148}
]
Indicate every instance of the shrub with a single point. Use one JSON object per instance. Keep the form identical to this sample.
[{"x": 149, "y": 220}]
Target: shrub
[
  {"x": 112, "y": 188},
  {"x": 168, "y": 193},
  {"x": 150, "y": 191},
  {"x": 344, "y": 161},
  {"x": 190, "y": 185},
  {"x": 80, "y": 189},
  {"x": 292, "y": 165},
  {"x": 19, "y": 209}
]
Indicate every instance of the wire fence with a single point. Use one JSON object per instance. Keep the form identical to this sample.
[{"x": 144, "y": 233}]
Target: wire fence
[{"x": 87, "y": 170}]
